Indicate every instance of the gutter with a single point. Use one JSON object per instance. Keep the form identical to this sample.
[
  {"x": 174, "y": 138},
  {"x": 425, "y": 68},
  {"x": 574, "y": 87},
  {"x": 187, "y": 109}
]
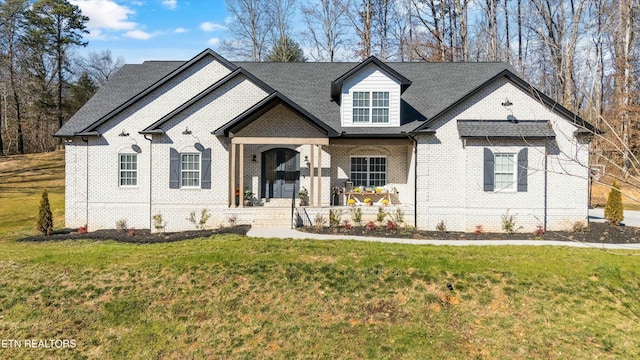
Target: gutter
[{"x": 150, "y": 179}]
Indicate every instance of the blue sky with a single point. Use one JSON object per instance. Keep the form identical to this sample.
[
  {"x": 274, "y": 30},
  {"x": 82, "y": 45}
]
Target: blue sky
[{"x": 141, "y": 30}]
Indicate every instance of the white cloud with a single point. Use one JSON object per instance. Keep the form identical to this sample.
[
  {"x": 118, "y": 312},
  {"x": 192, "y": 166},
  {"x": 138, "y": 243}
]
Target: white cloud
[
  {"x": 170, "y": 4},
  {"x": 106, "y": 15},
  {"x": 213, "y": 41},
  {"x": 180, "y": 30},
  {"x": 138, "y": 35},
  {"x": 208, "y": 26}
]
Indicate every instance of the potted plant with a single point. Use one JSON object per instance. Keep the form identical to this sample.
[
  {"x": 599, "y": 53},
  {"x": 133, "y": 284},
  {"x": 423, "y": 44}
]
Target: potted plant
[
  {"x": 385, "y": 202},
  {"x": 351, "y": 202},
  {"x": 368, "y": 201},
  {"x": 248, "y": 197},
  {"x": 303, "y": 194}
]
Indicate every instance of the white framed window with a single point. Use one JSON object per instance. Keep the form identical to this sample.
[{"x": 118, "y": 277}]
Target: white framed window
[
  {"x": 361, "y": 105},
  {"x": 380, "y": 107},
  {"x": 189, "y": 170},
  {"x": 368, "y": 171},
  {"x": 371, "y": 107},
  {"x": 504, "y": 172},
  {"x": 128, "y": 170}
]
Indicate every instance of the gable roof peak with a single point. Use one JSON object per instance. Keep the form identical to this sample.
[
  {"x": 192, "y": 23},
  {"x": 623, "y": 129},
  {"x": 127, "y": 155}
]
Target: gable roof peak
[{"x": 336, "y": 85}]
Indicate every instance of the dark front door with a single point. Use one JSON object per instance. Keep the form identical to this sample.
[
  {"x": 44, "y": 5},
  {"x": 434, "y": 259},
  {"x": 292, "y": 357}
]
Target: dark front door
[{"x": 280, "y": 173}]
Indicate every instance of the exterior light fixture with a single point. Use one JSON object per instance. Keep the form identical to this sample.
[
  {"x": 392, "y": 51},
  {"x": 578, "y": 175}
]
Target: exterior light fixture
[
  {"x": 123, "y": 133},
  {"x": 254, "y": 158},
  {"x": 507, "y": 103},
  {"x": 186, "y": 131}
]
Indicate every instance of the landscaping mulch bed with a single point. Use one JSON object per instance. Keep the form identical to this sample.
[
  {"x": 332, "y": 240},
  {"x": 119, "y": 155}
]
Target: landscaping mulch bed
[
  {"x": 595, "y": 233},
  {"x": 137, "y": 236}
]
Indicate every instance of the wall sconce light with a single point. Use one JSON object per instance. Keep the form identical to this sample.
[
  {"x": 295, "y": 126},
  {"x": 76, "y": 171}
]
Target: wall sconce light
[
  {"x": 123, "y": 134},
  {"x": 254, "y": 158},
  {"x": 186, "y": 131},
  {"x": 306, "y": 158},
  {"x": 507, "y": 103}
]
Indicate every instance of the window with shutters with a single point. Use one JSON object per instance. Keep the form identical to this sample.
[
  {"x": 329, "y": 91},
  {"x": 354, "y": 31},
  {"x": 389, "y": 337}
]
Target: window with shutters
[
  {"x": 190, "y": 169},
  {"x": 506, "y": 172}
]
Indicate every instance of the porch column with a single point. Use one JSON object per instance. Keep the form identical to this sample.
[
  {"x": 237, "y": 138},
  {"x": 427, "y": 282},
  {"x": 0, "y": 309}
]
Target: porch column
[
  {"x": 232, "y": 176},
  {"x": 312, "y": 170},
  {"x": 319, "y": 175},
  {"x": 241, "y": 178}
]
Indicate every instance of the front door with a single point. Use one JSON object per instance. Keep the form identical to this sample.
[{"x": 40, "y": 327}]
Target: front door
[{"x": 280, "y": 173}]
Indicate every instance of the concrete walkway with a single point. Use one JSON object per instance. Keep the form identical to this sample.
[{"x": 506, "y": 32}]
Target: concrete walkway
[{"x": 295, "y": 234}]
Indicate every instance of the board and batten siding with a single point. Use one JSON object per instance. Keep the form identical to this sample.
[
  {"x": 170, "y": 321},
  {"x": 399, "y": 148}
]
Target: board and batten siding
[{"x": 370, "y": 78}]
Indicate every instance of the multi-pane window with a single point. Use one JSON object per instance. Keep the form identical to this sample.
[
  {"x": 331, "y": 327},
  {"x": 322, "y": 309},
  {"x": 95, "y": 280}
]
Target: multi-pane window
[
  {"x": 190, "y": 170},
  {"x": 369, "y": 171},
  {"x": 128, "y": 170},
  {"x": 379, "y": 107},
  {"x": 504, "y": 171},
  {"x": 371, "y": 107},
  {"x": 361, "y": 107}
]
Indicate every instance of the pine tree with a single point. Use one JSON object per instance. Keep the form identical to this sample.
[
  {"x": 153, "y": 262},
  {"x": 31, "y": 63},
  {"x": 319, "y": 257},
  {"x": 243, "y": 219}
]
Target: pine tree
[
  {"x": 613, "y": 210},
  {"x": 45, "y": 218}
]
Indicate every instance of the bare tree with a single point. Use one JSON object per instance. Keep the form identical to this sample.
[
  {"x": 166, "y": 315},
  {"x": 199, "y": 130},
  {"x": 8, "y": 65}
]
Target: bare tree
[
  {"x": 13, "y": 15},
  {"x": 250, "y": 27},
  {"x": 362, "y": 20},
  {"x": 101, "y": 65},
  {"x": 326, "y": 22}
]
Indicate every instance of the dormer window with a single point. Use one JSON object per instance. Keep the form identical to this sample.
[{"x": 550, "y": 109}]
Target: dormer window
[{"x": 371, "y": 107}]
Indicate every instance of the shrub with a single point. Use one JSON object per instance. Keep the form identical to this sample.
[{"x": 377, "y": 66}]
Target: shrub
[
  {"x": 45, "y": 218},
  {"x": 122, "y": 225},
  {"x": 509, "y": 223},
  {"x": 232, "y": 220},
  {"x": 320, "y": 220},
  {"x": 158, "y": 224},
  {"x": 613, "y": 210},
  {"x": 578, "y": 227},
  {"x": 131, "y": 232},
  {"x": 334, "y": 217},
  {"x": 347, "y": 225},
  {"x": 356, "y": 215},
  {"x": 441, "y": 226},
  {"x": 380, "y": 215},
  {"x": 371, "y": 226},
  {"x": 398, "y": 216},
  {"x": 478, "y": 230},
  {"x": 539, "y": 231},
  {"x": 391, "y": 225},
  {"x": 204, "y": 217},
  {"x": 82, "y": 229}
]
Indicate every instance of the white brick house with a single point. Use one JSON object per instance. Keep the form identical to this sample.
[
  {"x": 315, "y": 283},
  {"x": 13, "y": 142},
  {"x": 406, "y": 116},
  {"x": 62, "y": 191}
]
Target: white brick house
[{"x": 455, "y": 142}]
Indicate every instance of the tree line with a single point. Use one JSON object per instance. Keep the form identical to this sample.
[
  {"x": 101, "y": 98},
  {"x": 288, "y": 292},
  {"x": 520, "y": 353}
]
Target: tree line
[
  {"x": 42, "y": 81},
  {"x": 583, "y": 53}
]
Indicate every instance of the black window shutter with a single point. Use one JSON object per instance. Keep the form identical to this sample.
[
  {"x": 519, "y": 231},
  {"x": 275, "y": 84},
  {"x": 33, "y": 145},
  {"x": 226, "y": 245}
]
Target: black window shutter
[
  {"x": 523, "y": 164},
  {"x": 206, "y": 169},
  {"x": 489, "y": 169},
  {"x": 174, "y": 169}
]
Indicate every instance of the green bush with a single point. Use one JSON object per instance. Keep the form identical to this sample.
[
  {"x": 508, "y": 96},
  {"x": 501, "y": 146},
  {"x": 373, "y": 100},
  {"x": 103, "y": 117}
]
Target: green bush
[
  {"x": 45, "y": 218},
  {"x": 613, "y": 210}
]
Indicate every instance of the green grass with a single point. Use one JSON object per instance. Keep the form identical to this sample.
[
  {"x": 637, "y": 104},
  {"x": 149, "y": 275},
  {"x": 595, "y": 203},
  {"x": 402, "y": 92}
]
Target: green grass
[
  {"x": 234, "y": 297},
  {"x": 230, "y": 296},
  {"x": 22, "y": 180}
]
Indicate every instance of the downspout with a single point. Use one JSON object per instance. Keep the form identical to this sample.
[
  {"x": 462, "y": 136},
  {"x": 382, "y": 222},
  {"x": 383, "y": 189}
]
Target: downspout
[
  {"x": 546, "y": 156},
  {"x": 150, "y": 180},
  {"x": 86, "y": 194},
  {"x": 415, "y": 180}
]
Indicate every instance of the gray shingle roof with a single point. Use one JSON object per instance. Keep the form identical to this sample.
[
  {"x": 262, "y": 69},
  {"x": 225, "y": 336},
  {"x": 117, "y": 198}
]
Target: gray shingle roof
[
  {"x": 130, "y": 80},
  {"x": 503, "y": 129},
  {"x": 435, "y": 87}
]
